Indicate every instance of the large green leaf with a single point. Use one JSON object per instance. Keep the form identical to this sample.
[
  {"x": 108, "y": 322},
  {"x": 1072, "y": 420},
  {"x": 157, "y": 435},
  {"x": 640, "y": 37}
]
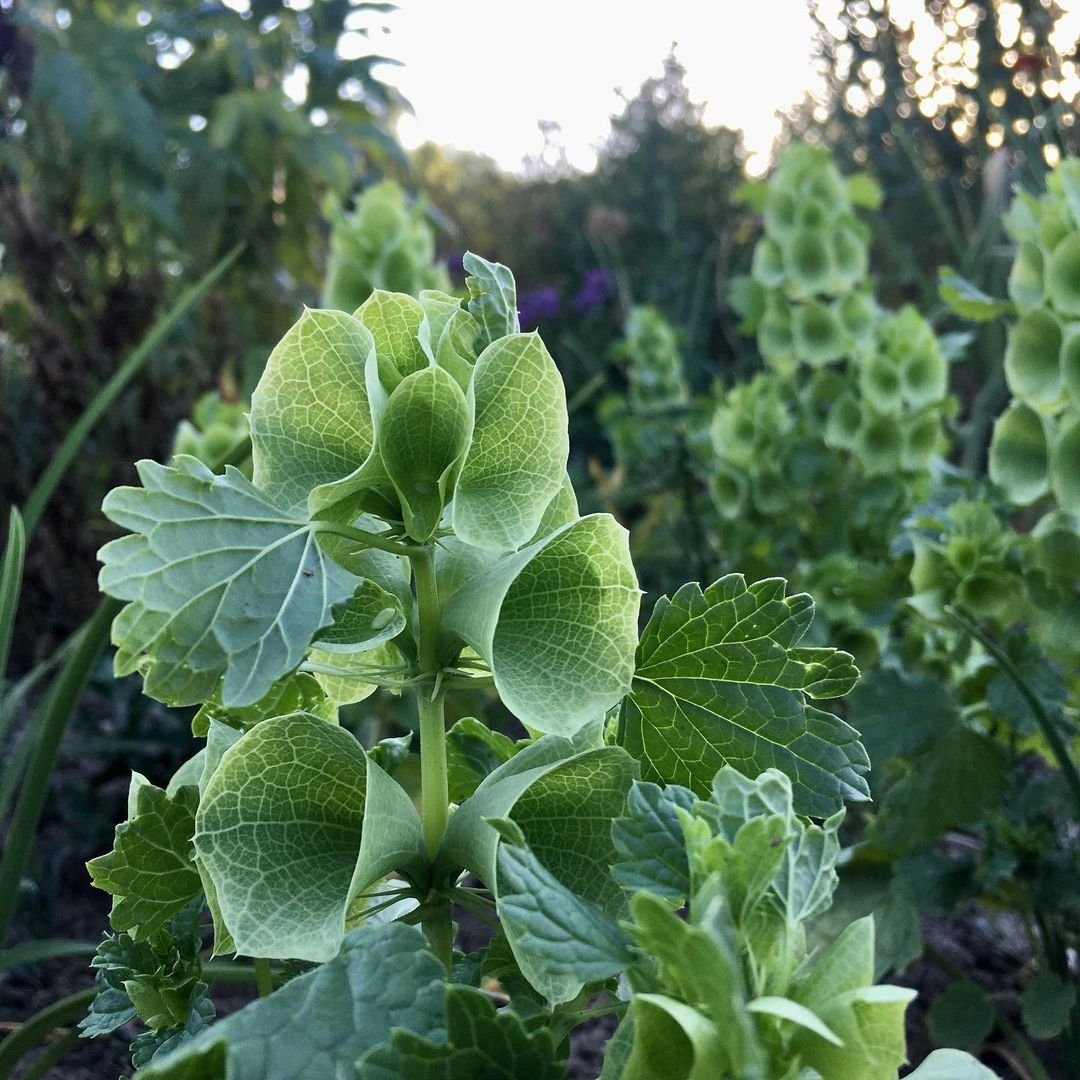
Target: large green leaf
[
  {"x": 560, "y": 940},
  {"x": 650, "y": 842},
  {"x": 423, "y": 435},
  {"x": 310, "y": 415},
  {"x": 721, "y": 680},
  {"x": 149, "y": 872},
  {"x": 317, "y": 1026},
  {"x": 480, "y": 1042},
  {"x": 517, "y": 460},
  {"x": 219, "y": 579},
  {"x": 561, "y": 795},
  {"x": 492, "y": 298},
  {"x": 294, "y": 823},
  {"x": 555, "y": 621}
]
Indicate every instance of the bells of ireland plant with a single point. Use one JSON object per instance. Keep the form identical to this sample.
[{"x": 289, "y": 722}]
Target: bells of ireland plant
[{"x": 1019, "y": 455}]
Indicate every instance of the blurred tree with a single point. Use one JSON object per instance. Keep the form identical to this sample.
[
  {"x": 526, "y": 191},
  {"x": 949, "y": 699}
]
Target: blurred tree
[{"x": 139, "y": 141}]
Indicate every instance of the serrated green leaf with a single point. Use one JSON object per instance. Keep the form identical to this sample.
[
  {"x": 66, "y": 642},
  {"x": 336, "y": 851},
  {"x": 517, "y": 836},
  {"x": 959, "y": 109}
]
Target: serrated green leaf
[
  {"x": 298, "y": 692},
  {"x": 968, "y": 301},
  {"x": 310, "y": 414},
  {"x": 556, "y": 621},
  {"x": 473, "y": 751},
  {"x": 516, "y": 461},
  {"x": 650, "y": 842},
  {"x": 492, "y": 298},
  {"x": 149, "y": 872},
  {"x": 423, "y": 434},
  {"x": 394, "y": 322},
  {"x": 952, "y": 1065},
  {"x": 1046, "y": 1004},
  {"x": 480, "y": 1042},
  {"x": 561, "y": 941},
  {"x": 961, "y": 1016},
  {"x": 721, "y": 680},
  {"x": 317, "y": 1026},
  {"x": 219, "y": 580},
  {"x": 294, "y": 823}
]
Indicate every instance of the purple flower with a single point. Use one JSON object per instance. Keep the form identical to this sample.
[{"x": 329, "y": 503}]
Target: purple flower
[
  {"x": 538, "y": 305},
  {"x": 596, "y": 290}
]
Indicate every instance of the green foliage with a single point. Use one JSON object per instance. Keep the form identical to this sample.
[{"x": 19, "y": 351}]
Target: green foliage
[
  {"x": 410, "y": 524},
  {"x": 729, "y": 990}
]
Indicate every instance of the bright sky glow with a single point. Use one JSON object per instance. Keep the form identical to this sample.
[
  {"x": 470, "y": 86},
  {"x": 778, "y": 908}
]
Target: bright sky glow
[{"x": 481, "y": 76}]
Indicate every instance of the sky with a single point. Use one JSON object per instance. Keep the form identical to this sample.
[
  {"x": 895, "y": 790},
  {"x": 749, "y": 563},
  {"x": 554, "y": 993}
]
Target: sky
[{"x": 481, "y": 76}]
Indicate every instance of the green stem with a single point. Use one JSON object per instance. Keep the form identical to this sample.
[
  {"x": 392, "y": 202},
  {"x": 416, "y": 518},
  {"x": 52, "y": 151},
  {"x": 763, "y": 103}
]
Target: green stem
[
  {"x": 1042, "y": 718},
  {"x": 434, "y": 779},
  {"x": 368, "y": 539},
  {"x": 264, "y": 980},
  {"x": 55, "y": 714},
  {"x": 10, "y": 584}
]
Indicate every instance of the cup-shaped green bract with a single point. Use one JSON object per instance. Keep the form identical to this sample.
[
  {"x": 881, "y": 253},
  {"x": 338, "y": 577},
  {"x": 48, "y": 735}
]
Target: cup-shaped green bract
[
  {"x": 850, "y": 256},
  {"x": 1019, "y": 454},
  {"x": 922, "y": 435},
  {"x": 775, "y": 339},
  {"x": 767, "y": 266},
  {"x": 1065, "y": 464},
  {"x": 729, "y": 487},
  {"x": 990, "y": 594},
  {"x": 422, "y": 437},
  {"x": 812, "y": 213},
  {"x": 843, "y": 423},
  {"x": 1063, "y": 276},
  {"x": 516, "y": 460},
  {"x": 1056, "y": 540},
  {"x": 924, "y": 374},
  {"x": 880, "y": 382},
  {"x": 770, "y": 490},
  {"x": 819, "y": 338},
  {"x": 808, "y": 259},
  {"x": 1026, "y": 275},
  {"x": 781, "y": 208},
  {"x": 879, "y": 443},
  {"x": 556, "y": 621},
  {"x": 1070, "y": 362},
  {"x": 858, "y": 314},
  {"x": 825, "y": 388},
  {"x": 1033, "y": 359},
  {"x": 1054, "y": 225},
  {"x": 930, "y": 569}
]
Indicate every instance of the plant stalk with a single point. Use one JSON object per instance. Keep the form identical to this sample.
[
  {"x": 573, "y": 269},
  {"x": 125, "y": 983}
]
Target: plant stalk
[
  {"x": 1042, "y": 718},
  {"x": 434, "y": 780},
  {"x": 264, "y": 980}
]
